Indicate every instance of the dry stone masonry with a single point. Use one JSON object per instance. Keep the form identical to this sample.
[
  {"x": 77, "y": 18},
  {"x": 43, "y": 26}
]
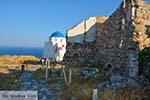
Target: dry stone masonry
[
  {"x": 81, "y": 42},
  {"x": 113, "y": 42}
]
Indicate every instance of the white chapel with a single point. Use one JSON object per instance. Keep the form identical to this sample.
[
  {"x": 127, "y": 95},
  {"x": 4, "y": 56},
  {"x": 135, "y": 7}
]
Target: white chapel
[{"x": 55, "y": 48}]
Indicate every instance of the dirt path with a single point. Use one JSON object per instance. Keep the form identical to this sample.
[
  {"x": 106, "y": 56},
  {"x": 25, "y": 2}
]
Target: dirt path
[{"x": 28, "y": 83}]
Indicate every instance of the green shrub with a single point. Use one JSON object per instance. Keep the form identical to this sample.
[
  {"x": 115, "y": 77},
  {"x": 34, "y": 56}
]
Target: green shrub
[
  {"x": 39, "y": 74},
  {"x": 144, "y": 56}
]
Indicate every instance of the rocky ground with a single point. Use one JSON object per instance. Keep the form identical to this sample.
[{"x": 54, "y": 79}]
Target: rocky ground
[
  {"x": 84, "y": 80},
  {"x": 28, "y": 83}
]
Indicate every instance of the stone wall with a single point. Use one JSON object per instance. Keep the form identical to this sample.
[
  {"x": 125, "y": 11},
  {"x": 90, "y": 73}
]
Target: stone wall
[
  {"x": 118, "y": 39},
  {"x": 114, "y": 43},
  {"x": 81, "y": 42},
  {"x": 141, "y": 21},
  {"x": 121, "y": 37}
]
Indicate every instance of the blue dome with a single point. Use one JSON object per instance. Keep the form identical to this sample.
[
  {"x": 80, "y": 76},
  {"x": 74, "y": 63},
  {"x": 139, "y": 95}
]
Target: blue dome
[{"x": 57, "y": 34}]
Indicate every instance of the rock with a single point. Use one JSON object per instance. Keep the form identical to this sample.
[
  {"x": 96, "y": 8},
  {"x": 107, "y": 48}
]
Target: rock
[
  {"x": 133, "y": 83},
  {"x": 97, "y": 75},
  {"x": 1, "y": 75},
  {"x": 118, "y": 82},
  {"x": 78, "y": 73},
  {"x": 116, "y": 77},
  {"x": 42, "y": 81},
  {"x": 35, "y": 87},
  {"x": 54, "y": 73},
  {"x": 26, "y": 83},
  {"x": 43, "y": 89},
  {"x": 34, "y": 82},
  {"x": 44, "y": 98},
  {"x": 26, "y": 77},
  {"x": 53, "y": 70},
  {"x": 88, "y": 72},
  {"x": 145, "y": 98},
  {"x": 30, "y": 84},
  {"x": 112, "y": 85},
  {"x": 16, "y": 81}
]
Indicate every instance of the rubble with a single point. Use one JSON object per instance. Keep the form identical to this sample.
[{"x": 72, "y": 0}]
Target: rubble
[
  {"x": 118, "y": 82},
  {"x": 87, "y": 72},
  {"x": 53, "y": 72}
]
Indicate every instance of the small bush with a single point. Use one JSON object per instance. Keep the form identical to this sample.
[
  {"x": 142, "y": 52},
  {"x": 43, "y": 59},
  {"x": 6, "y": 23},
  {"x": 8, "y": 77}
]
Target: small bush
[
  {"x": 144, "y": 56},
  {"x": 39, "y": 74}
]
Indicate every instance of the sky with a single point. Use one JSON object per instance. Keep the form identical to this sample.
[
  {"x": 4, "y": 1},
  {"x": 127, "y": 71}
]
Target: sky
[{"x": 29, "y": 23}]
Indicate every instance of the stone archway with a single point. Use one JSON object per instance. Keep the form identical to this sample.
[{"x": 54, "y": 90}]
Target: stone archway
[{"x": 75, "y": 56}]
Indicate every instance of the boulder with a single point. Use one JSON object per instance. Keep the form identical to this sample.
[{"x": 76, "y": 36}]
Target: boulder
[
  {"x": 133, "y": 83},
  {"x": 88, "y": 72},
  {"x": 1, "y": 75},
  {"x": 54, "y": 73},
  {"x": 119, "y": 82},
  {"x": 143, "y": 81},
  {"x": 116, "y": 78}
]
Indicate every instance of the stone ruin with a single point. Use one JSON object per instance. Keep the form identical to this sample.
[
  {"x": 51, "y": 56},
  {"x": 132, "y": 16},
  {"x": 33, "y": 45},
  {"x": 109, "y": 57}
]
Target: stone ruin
[
  {"x": 113, "y": 42},
  {"x": 81, "y": 42}
]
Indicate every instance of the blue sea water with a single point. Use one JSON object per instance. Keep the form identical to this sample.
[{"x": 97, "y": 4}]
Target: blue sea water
[{"x": 33, "y": 51}]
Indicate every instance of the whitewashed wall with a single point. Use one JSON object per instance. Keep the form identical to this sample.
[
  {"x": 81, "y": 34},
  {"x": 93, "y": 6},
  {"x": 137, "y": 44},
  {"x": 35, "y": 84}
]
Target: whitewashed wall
[
  {"x": 76, "y": 34},
  {"x": 49, "y": 50},
  {"x": 90, "y": 29},
  {"x": 59, "y": 42}
]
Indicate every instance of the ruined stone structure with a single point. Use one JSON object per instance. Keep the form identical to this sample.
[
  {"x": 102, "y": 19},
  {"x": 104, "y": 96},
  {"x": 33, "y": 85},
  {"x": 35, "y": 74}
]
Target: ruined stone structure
[
  {"x": 81, "y": 42},
  {"x": 113, "y": 42}
]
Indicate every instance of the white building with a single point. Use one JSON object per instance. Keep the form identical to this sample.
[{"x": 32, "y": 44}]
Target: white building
[{"x": 55, "y": 48}]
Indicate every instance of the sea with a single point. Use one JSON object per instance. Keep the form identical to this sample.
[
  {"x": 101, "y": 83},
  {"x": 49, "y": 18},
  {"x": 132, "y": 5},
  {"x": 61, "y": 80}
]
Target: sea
[{"x": 18, "y": 51}]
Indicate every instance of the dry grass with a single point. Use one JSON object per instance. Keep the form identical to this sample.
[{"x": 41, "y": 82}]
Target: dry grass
[
  {"x": 7, "y": 69},
  {"x": 81, "y": 88},
  {"x": 17, "y": 59},
  {"x": 128, "y": 93},
  {"x": 8, "y": 63},
  {"x": 10, "y": 69},
  {"x": 39, "y": 74}
]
